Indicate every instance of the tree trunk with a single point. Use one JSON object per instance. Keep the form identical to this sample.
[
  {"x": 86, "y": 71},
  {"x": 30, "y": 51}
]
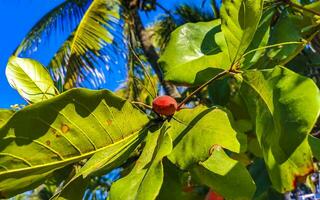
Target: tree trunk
[{"x": 151, "y": 54}]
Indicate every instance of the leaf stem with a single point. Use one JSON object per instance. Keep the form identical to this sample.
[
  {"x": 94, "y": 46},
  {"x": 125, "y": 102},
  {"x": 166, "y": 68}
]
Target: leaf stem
[
  {"x": 294, "y": 5},
  {"x": 142, "y": 104},
  {"x": 221, "y": 74},
  {"x": 271, "y": 46}
]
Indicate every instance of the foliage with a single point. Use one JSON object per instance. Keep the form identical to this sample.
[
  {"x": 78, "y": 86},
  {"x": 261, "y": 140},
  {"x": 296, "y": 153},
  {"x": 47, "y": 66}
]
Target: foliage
[
  {"x": 91, "y": 25},
  {"x": 30, "y": 79},
  {"x": 256, "y": 119}
]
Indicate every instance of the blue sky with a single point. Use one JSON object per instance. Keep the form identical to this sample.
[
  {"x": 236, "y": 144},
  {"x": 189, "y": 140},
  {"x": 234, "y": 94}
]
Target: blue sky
[{"x": 16, "y": 19}]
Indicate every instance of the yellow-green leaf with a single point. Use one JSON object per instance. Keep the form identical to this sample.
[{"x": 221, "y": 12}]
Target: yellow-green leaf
[
  {"x": 284, "y": 107},
  {"x": 196, "y": 131},
  {"x": 145, "y": 180},
  {"x": 49, "y": 135},
  {"x": 239, "y": 22},
  {"x": 30, "y": 79}
]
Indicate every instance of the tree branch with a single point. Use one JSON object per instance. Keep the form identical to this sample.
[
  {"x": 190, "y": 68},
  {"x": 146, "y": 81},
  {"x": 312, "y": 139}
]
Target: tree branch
[
  {"x": 151, "y": 53},
  {"x": 221, "y": 74},
  {"x": 294, "y": 5}
]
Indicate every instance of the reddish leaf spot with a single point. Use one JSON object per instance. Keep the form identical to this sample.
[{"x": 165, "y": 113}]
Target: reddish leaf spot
[
  {"x": 3, "y": 195},
  {"x": 164, "y": 105},
  {"x": 64, "y": 128},
  {"x": 109, "y": 122},
  {"x": 302, "y": 178},
  {"x": 57, "y": 136},
  {"x": 48, "y": 142},
  {"x": 188, "y": 189},
  {"x": 54, "y": 131}
]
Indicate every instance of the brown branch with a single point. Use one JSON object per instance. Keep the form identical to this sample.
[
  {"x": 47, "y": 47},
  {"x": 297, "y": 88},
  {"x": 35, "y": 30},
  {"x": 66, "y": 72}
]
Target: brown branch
[
  {"x": 142, "y": 104},
  {"x": 221, "y": 74},
  {"x": 294, "y": 5},
  {"x": 151, "y": 54}
]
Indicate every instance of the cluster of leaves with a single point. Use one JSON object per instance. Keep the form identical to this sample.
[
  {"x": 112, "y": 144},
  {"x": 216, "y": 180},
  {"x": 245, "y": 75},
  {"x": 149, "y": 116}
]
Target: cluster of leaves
[{"x": 259, "y": 117}]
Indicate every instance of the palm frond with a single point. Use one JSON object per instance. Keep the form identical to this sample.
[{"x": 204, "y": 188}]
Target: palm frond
[
  {"x": 188, "y": 13},
  {"x": 93, "y": 30},
  {"x": 160, "y": 31},
  {"x": 182, "y": 14},
  {"x": 89, "y": 46},
  {"x": 63, "y": 17}
]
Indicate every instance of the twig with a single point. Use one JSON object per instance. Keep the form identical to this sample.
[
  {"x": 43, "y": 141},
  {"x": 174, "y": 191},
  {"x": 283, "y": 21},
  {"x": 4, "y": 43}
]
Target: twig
[
  {"x": 164, "y": 9},
  {"x": 221, "y": 74},
  {"x": 290, "y": 3},
  {"x": 271, "y": 46},
  {"x": 142, "y": 104}
]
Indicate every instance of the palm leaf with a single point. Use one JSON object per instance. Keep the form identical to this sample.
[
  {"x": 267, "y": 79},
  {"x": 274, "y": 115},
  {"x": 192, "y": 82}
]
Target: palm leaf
[
  {"x": 86, "y": 48},
  {"x": 62, "y": 17}
]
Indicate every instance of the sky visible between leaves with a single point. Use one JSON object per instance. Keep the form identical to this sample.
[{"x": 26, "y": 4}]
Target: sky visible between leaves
[{"x": 16, "y": 19}]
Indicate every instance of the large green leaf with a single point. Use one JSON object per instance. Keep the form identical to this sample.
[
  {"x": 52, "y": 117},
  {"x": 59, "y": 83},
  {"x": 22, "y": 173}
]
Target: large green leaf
[
  {"x": 239, "y": 21},
  {"x": 196, "y": 131},
  {"x": 225, "y": 176},
  {"x": 194, "y": 53},
  {"x": 145, "y": 179},
  {"x": 284, "y": 107},
  {"x": 62, "y": 130},
  {"x": 299, "y": 31},
  {"x": 5, "y": 116},
  {"x": 30, "y": 79},
  {"x": 102, "y": 162},
  {"x": 260, "y": 176},
  {"x": 75, "y": 190},
  {"x": 260, "y": 39}
]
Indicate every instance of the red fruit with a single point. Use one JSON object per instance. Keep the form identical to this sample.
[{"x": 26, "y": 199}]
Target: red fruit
[
  {"x": 164, "y": 105},
  {"x": 213, "y": 196}
]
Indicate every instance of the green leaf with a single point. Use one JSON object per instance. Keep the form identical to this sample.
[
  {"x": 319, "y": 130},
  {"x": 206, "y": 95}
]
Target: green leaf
[
  {"x": 5, "y": 116},
  {"x": 176, "y": 185},
  {"x": 225, "y": 176},
  {"x": 254, "y": 147},
  {"x": 282, "y": 54},
  {"x": 260, "y": 39},
  {"x": 239, "y": 22},
  {"x": 75, "y": 190},
  {"x": 30, "y": 79},
  {"x": 315, "y": 146},
  {"x": 194, "y": 53},
  {"x": 219, "y": 91},
  {"x": 260, "y": 176},
  {"x": 103, "y": 162},
  {"x": 73, "y": 126},
  {"x": 284, "y": 107},
  {"x": 304, "y": 62},
  {"x": 91, "y": 32},
  {"x": 196, "y": 131},
  {"x": 145, "y": 179}
]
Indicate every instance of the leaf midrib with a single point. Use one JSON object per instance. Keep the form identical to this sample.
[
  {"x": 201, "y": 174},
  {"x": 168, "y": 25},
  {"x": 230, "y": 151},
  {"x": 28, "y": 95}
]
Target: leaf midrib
[
  {"x": 30, "y": 80},
  {"x": 80, "y": 157},
  {"x": 80, "y": 26}
]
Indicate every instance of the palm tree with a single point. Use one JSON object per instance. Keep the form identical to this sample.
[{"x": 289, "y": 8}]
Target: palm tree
[
  {"x": 100, "y": 31},
  {"x": 98, "y": 28}
]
